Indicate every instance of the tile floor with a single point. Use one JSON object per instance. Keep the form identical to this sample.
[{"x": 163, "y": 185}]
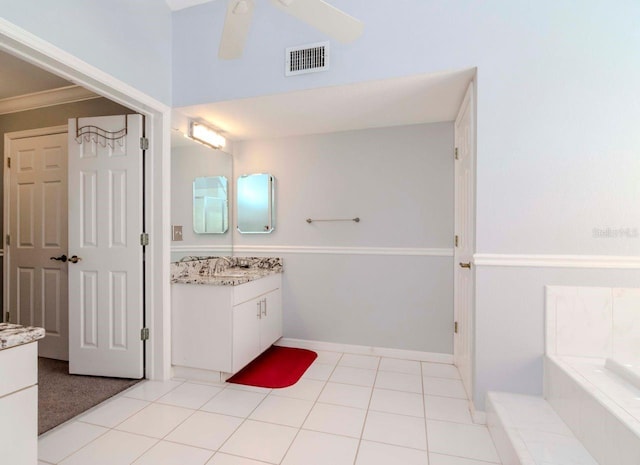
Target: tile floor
[{"x": 347, "y": 409}]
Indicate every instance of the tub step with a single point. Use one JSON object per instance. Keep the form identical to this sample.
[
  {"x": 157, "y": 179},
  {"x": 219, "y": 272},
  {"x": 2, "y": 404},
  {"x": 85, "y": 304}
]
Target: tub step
[{"x": 527, "y": 431}]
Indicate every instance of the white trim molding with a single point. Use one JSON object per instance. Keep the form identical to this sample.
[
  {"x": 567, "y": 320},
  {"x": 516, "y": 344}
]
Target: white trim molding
[
  {"x": 45, "y": 98},
  {"x": 202, "y": 249},
  {"x": 286, "y": 249},
  {"x": 558, "y": 261},
  {"x": 366, "y": 350}
]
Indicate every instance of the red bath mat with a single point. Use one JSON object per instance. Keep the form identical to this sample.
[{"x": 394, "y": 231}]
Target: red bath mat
[{"x": 277, "y": 367}]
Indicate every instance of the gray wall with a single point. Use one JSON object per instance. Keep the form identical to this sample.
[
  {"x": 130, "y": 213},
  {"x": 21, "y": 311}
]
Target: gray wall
[
  {"x": 130, "y": 40},
  {"x": 399, "y": 181}
]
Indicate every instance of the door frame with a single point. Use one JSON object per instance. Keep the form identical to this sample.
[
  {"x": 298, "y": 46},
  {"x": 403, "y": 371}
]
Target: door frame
[
  {"x": 157, "y": 178},
  {"x": 471, "y": 94}
]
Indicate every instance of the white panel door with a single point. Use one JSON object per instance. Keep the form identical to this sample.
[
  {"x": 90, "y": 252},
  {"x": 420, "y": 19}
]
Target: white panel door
[
  {"x": 37, "y": 285},
  {"x": 464, "y": 274},
  {"x": 105, "y": 223}
]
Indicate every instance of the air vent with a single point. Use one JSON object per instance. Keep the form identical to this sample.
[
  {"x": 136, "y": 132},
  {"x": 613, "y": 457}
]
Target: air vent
[{"x": 307, "y": 59}]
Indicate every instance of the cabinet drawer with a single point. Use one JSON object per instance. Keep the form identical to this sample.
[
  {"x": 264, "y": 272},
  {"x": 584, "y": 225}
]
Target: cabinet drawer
[
  {"x": 18, "y": 368},
  {"x": 253, "y": 289}
]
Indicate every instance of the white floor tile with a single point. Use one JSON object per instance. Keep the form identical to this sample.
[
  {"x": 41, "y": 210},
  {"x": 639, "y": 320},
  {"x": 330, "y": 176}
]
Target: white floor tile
[
  {"x": 374, "y": 453},
  {"x": 359, "y": 361},
  {"x": 226, "y": 459},
  {"x": 169, "y": 453},
  {"x": 410, "y": 367},
  {"x": 447, "y": 409},
  {"x": 151, "y": 390},
  {"x": 307, "y": 389},
  {"x": 399, "y": 382},
  {"x": 355, "y": 376},
  {"x": 190, "y": 395},
  {"x": 318, "y": 371},
  {"x": 440, "y": 370},
  {"x": 399, "y": 430},
  {"x": 402, "y": 403},
  {"x": 325, "y": 356},
  {"x": 235, "y": 402},
  {"x": 336, "y": 419},
  {"x": 443, "y": 387},
  {"x": 438, "y": 459},
  {"x": 63, "y": 441},
  {"x": 156, "y": 420},
  {"x": 243, "y": 387},
  {"x": 206, "y": 430},
  {"x": 114, "y": 411},
  {"x": 314, "y": 448},
  {"x": 282, "y": 411},
  {"x": 260, "y": 441},
  {"x": 468, "y": 441},
  {"x": 347, "y": 395},
  {"x": 113, "y": 448}
]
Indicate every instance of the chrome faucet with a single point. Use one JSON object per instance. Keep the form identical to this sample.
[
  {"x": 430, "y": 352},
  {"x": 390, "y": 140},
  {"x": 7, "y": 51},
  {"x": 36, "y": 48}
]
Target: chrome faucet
[{"x": 222, "y": 263}]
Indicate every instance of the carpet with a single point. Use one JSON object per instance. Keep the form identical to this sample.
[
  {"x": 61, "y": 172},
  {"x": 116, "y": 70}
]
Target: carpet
[
  {"x": 277, "y": 367},
  {"x": 62, "y": 396}
]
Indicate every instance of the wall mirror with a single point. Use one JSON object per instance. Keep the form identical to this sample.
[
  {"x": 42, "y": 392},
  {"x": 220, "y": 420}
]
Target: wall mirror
[
  {"x": 210, "y": 205},
  {"x": 256, "y": 198}
]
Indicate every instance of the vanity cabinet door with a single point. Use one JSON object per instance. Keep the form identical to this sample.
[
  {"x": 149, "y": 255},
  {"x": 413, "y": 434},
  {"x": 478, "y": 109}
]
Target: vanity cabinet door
[
  {"x": 271, "y": 321},
  {"x": 246, "y": 332}
]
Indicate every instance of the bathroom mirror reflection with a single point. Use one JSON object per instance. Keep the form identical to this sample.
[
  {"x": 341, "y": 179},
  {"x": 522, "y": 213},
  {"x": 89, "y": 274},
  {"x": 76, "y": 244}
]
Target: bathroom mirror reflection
[
  {"x": 256, "y": 209},
  {"x": 210, "y": 205}
]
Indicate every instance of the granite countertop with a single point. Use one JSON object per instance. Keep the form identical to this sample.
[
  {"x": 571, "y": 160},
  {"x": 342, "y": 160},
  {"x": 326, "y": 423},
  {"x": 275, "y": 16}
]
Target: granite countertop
[
  {"x": 232, "y": 271},
  {"x": 14, "y": 335}
]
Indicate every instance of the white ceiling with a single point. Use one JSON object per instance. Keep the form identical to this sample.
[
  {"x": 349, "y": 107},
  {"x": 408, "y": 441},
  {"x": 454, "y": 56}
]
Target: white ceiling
[
  {"x": 176, "y": 5},
  {"x": 401, "y": 101},
  {"x": 18, "y": 77}
]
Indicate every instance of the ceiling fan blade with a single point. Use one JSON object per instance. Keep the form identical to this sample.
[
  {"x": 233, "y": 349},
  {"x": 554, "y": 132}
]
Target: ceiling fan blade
[
  {"x": 324, "y": 17},
  {"x": 236, "y": 29}
]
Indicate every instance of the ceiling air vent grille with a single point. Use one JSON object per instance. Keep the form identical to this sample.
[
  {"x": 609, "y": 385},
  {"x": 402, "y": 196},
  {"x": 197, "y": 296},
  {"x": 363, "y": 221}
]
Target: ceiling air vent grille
[{"x": 307, "y": 59}]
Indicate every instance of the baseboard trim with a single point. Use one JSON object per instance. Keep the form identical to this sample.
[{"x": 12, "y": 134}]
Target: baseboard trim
[
  {"x": 558, "y": 261},
  {"x": 367, "y": 350},
  {"x": 197, "y": 374},
  {"x": 479, "y": 417}
]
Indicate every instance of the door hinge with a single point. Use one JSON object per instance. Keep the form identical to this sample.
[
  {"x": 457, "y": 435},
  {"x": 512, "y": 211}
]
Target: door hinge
[
  {"x": 8, "y": 162},
  {"x": 144, "y": 334},
  {"x": 456, "y": 153},
  {"x": 455, "y": 327},
  {"x": 144, "y": 143},
  {"x": 8, "y": 240},
  {"x": 457, "y": 238},
  {"x": 144, "y": 239},
  {"x": 7, "y": 318}
]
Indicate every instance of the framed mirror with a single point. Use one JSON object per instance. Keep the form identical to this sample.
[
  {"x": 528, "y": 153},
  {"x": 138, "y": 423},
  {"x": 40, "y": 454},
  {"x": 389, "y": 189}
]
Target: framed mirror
[
  {"x": 210, "y": 205},
  {"x": 256, "y": 209}
]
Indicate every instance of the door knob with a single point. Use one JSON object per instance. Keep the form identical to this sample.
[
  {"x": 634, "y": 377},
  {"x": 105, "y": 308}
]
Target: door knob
[
  {"x": 462, "y": 265},
  {"x": 74, "y": 259},
  {"x": 61, "y": 258}
]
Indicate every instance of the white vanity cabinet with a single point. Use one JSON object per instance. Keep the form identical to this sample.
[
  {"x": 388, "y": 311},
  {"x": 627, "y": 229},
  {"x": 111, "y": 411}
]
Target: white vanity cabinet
[
  {"x": 19, "y": 405},
  {"x": 223, "y": 328}
]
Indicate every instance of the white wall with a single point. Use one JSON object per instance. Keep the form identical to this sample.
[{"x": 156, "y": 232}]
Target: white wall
[
  {"x": 187, "y": 163},
  {"x": 558, "y": 144},
  {"x": 399, "y": 181},
  {"x": 131, "y": 40}
]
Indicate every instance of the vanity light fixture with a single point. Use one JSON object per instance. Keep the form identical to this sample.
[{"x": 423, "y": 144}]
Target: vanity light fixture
[{"x": 206, "y": 135}]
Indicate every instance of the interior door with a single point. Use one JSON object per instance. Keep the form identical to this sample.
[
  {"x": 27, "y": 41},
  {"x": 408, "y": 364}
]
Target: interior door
[
  {"x": 106, "y": 256},
  {"x": 37, "y": 284},
  {"x": 464, "y": 272}
]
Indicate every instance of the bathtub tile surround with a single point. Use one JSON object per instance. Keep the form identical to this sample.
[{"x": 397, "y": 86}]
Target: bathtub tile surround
[
  {"x": 585, "y": 328},
  {"x": 223, "y": 271},
  {"x": 13, "y": 335},
  {"x": 311, "y": 423}
]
